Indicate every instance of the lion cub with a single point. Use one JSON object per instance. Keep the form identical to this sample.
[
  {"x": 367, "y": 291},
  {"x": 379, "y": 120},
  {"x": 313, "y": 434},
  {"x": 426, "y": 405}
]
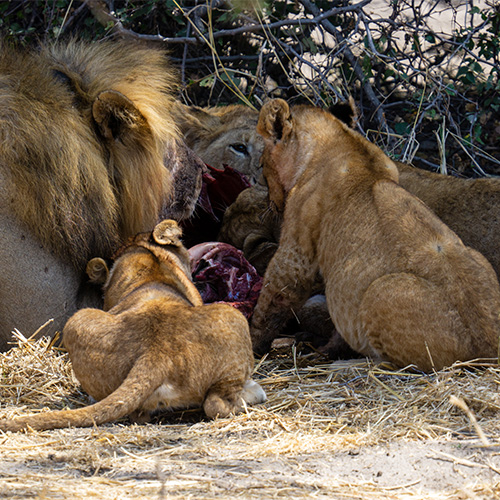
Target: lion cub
[
  {"x": 400, "y": 285},
  {"x": 155, "y": 342}
]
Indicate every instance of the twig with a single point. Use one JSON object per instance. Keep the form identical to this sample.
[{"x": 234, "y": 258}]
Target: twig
[
  {"x": 385, "y": 386},
  {"x": 353, "y": 61},
  {"x": 460, "y": 461},
  {"x": 460, "y": 403},
  {"x": 105, "y": 18},
  {"x": 99, "y": 10},
  {"x": 68, "y": 21}
]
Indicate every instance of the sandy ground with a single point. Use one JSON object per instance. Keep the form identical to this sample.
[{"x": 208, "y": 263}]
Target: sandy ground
[
  {"x": 178, "y": 462},
  {"x": 347, "y": 429}
]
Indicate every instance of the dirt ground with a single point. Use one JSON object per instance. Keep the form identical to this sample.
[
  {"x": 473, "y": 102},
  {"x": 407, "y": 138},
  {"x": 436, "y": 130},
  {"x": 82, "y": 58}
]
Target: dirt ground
[
  {"x": 176, "y": 462},
  {"x": 341, "y": 430},
  {"x": 171, "y": 462}
]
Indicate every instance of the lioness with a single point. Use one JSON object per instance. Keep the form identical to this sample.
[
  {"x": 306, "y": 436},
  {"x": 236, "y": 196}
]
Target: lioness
[
  {"x": 400, "y": 285},
  {"x": 223, "y": 135},
  {"x": 155, "y": 342}
]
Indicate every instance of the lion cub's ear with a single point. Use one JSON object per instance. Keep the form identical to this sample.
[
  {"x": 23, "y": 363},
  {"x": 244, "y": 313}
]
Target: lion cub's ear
[
  {"x": 167, "y": 232},
  {"x": 97, "y": 271},
  {"x": 275, "y": 120},
  {"x": 117, "y": 116}
]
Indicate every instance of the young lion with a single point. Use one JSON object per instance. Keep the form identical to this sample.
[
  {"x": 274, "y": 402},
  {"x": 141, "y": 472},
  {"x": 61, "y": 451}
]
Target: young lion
[
  {"x": 155, "y": 342},
  {"x": 470, "y": 207},
  {"x": 400, "y": 285}
]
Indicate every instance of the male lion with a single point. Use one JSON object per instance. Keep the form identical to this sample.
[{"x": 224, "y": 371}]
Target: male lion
[
  {"x": 86, "y": 136},
  {"x": 155, "y": 342},
  {"x": 223, "y": 135},
  {"x": 470, "y": 207},
  {"x": 399, "y": 284}
]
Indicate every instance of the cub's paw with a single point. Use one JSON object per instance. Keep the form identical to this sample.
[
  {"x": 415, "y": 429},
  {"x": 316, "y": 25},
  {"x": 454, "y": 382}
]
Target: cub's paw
[
  {"x": 216, "y": 406},
  {"x": 253, "y": 393}
]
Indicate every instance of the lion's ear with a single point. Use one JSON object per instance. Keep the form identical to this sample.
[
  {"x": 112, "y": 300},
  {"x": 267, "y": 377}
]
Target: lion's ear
[
  {"x": 194, "y": 122},
  {"x": 204, "y": 119},
  {"x": 167, "y": 232},
  {"x": 116, "y": 115},
  {"x": 275, "y": 120},
  {"x": 97, "y": 271},
  {"x": 346, "y": 112}
]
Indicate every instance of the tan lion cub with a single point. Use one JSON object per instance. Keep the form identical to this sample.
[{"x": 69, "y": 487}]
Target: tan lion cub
[
  {"x": 155, "y": 342},
  {"x": 400, "y": 285}
]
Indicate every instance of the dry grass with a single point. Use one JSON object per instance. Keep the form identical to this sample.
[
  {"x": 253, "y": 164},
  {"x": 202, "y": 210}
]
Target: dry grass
[{"x": 319, "y": 418}]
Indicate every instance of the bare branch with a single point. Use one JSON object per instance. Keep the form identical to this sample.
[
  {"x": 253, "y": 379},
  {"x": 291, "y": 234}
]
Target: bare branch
[
  {"x": 358, "y": 70},
  {"x": 402, "y": 65},
  {"x": 105, "y": 18}
]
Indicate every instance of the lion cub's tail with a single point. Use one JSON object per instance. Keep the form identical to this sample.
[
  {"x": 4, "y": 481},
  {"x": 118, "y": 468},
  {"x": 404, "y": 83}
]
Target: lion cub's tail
[{"x": 139, "y": 384}]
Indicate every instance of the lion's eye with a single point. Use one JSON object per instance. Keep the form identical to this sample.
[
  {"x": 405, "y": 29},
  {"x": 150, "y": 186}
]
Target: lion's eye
[{"x": 239, "y": 148}]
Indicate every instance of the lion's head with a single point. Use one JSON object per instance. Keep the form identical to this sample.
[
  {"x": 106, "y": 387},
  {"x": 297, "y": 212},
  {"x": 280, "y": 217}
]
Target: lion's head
[
  {"x": 85, "y": 129},
  {"x": 223, "y": 136},
  {"x": 89, "y": 152}
]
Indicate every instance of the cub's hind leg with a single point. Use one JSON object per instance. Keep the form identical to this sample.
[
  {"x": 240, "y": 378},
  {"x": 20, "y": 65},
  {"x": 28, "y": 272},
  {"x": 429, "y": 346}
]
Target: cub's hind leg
[
  {"x": 222, "y": 404},
  {"x": 408, "y": 320},
  {"x": 226, "y": 399}
]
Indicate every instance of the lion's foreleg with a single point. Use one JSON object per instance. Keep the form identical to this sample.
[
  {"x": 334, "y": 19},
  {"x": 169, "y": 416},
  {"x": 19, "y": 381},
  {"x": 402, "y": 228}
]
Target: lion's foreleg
[{"x": 287, "y": 285}]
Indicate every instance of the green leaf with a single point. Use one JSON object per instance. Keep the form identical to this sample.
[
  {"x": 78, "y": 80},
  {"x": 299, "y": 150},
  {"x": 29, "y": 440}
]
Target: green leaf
[
  {"x": 367, "y": 67},
  {"x": 477, "y": 132},
  {"x": 402, "y": 128},
  {"x": 429, "y": 37},
  {"x": 388, "y": 73},
  {"x": 208, "y": 81},
  {"x": 450, "y": 89},
  {"x": 310, "y": 45}
]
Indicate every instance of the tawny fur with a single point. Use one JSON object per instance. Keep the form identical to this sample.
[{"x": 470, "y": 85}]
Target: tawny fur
[
  {"x": 84, "y": 132},
  {"x": 155, "y": 342},
  {"x": 470, "y": 207},
  {"x": 400, "y": 285},
  {"x": 223, "y": 135}
]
